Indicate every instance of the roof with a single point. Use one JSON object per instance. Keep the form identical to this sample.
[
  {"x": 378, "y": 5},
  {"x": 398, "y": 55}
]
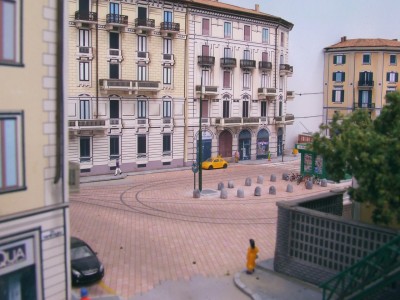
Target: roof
[
  {"x": 365, "y": 43},
  {"x": 238, "y": 9}
]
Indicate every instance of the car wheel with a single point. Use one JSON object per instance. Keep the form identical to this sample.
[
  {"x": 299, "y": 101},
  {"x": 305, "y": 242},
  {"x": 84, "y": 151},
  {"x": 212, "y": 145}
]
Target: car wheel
[
  {"x": 210, "y": 167},
  {"x": 225, "y": 166}
]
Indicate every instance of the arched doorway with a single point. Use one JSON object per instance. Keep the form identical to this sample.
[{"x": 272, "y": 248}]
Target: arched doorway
[
  {"x": 244, "y": 144},
  {"x": 262, "y": 144},
  {"x": 279, "y": 146},
  {"x": 225, "y": 144}
]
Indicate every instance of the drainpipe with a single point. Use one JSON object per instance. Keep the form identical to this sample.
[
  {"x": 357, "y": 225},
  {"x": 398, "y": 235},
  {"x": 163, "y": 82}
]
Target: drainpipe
[
  {"x": 97, "y": 60},
  {"x": 59, "y": 93}
]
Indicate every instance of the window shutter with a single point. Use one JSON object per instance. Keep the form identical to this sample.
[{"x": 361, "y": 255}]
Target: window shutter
[
  {"x": 396, "y": 77},
  {"x": 334, "y": 76},
  {"x": 333, "y": 96},
  {"x": 388, "y": 76},
  {"x": 343, "y": 76},
  {"x": 335, "y": 59},
  {"x": 341, "y": 96},
  {"x": 343, "y": 59}
]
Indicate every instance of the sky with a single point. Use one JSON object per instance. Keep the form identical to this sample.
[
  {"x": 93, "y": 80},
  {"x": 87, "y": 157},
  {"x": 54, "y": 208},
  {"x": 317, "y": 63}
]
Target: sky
[{"x": 318, "y": 24}]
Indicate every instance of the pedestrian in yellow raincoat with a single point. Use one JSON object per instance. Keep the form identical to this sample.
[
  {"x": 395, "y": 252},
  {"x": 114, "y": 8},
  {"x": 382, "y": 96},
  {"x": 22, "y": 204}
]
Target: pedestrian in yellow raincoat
[{"x": 251, "y": 257}]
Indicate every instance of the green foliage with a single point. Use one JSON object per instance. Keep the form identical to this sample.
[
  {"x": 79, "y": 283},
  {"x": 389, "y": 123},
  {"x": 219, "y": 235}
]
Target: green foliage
[{"x": 369, "y": 151}]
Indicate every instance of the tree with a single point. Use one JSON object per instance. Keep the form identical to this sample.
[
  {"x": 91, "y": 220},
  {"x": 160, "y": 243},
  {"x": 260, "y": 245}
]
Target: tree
[{"x": 370, "y": 152}]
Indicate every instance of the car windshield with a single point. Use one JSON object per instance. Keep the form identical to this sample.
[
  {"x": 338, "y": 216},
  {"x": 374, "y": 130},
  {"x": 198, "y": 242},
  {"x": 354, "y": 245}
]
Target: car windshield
[
  {"x": 80, "y": 252},
  {"x": 210, "y": 160}
]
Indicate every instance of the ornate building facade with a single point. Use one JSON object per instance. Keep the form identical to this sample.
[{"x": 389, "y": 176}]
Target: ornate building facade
[{"x": 358, "y": 73}]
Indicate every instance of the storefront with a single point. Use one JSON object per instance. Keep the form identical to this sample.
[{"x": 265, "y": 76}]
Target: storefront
[
  {"x": 262, "y": 144},
  {"x": 244, "y": 145}
]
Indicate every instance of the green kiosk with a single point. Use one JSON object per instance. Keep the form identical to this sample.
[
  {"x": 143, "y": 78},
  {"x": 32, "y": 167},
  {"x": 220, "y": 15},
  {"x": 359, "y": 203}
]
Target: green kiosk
[{"x": 312, "y": 164}]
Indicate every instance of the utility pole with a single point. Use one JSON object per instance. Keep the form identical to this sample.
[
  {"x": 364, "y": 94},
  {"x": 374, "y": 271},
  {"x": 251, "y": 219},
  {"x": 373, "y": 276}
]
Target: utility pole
[{"x": 200, "y": 145}]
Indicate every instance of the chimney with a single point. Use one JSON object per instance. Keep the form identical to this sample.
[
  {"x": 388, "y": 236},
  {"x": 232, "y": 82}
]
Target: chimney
[
  {"x": 343, "y": 38},
  {"x": 257, "y": 8}
]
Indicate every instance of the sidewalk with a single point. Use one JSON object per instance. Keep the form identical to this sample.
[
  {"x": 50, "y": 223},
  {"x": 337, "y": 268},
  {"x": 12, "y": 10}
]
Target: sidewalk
[
  {"x": 106, "y": 177},
  {"x": 266, "y": 284}
]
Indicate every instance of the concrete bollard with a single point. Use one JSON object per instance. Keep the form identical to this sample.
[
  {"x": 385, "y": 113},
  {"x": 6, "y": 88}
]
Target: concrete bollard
[
  {"x": 196, "y": 193},
  {"x": 285, "y": 176},
  {"x": 231, "y": 185},
  {"x": 289, "y": 188},
  {"x": 309, "y": 185},
  {"x": 273, "y": 178},
  {"x": 272, "y": 190},
  {"x": 220, "y": 186},
  {"x": 248, "y": 181},
  {"x": 260, "y": 179},
  {"x": 240, "y": 193},
  {"x": 224, "y": 194},
  {"x": 257, "y": 191},
  {"x": 324, "y": 182}
]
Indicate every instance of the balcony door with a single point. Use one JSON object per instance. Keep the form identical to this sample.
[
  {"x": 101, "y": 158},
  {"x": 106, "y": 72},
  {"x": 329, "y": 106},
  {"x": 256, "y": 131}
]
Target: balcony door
[
  {"x": 84, "y": 7},
  {"x": 114, "y": 8},
  {"x": 205, "y": 50},
  {"x": 142, "y": 13},
  {"x": 114, "y": 111},
  {"x": 168, "y": 16}
]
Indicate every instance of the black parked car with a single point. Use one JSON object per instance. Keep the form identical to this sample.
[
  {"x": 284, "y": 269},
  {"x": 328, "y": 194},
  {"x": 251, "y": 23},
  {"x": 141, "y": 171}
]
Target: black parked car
[{"x": 85, "y": 265}]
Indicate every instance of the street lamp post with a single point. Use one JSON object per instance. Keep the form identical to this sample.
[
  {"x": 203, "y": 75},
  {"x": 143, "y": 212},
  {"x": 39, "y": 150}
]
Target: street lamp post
[{"x": 200, "y": 146}]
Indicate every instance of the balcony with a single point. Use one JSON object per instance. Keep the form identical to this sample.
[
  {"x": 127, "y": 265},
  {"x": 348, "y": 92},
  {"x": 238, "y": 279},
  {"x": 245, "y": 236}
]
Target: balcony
[
  {"x": 116, "y": 22},
  {"x": 206, "y": 61},
  {"x": 86, "y": 124},
  {"x": 368, "y": 105},
  {"x": 169, "y": 29},
  {"x": 268, "y": 92},
  {"x": 247, "y": 64},
  {"x": 83, "y": 18},
  {"x": 289, "y": 95},
  {"x": 144, "y": 26},
  {"x": 84, "y": 53},
  {"x": 228, "y": 62},
  {"x": 143, "y": 56},
  {"x": 114, "y": 55},
  {"x": 208, "y": 90},
  {"x": 285, "y": 69},
  {"x": 265, "y": 65},
  {"x": 365, "y": 84},
  {"x": 237, "y": 121},
  {"x": 130, "y": 86},
  {"x": 284, "y": 120},
  {"x": 167, "y": 59}
]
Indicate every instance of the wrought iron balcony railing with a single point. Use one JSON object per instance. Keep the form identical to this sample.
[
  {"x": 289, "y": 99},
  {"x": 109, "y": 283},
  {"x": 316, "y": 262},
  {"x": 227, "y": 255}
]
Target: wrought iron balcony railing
[
  {"x": 206, "y": 60},
  {"x": 228, "y": 62},
  {"x": 85, "y": 16},
  {"x": 117, "y": 19},
  {"x": 247, "y": 64},
  {"x": 147, "y": 23},
  {"x": 169, "y": 26},
  {"x": 265, "y": 65}
]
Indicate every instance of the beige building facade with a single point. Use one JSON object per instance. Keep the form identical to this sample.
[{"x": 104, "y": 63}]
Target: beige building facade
[
  {"x": 238, "y": 69},
  {"x": 126, "y": 88},
  {"x": 358, "y": 73},
  {"x": 34, "y": 242}
]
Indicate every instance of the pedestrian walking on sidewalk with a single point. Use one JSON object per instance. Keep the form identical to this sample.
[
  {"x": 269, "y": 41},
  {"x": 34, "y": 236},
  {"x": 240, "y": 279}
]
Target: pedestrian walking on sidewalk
[
  {"x": 117, "y": 168},
  {"x": 252, "y": 255}
]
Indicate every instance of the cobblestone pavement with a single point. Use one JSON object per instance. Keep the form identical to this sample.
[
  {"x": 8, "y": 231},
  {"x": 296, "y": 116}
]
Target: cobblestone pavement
[{"x": 148, "y": 229}]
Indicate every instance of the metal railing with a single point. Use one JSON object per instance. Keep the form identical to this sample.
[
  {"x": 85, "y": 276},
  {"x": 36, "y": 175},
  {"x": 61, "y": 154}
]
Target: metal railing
[
  {"x": 150, "y": 23},
  {"x": 170, "y": 26},
  {"x": 247, "y": 63},
  {"x": 86, "y": 16},
  {"x": 117, "y": 19},
  {"x": 206, "y": 60}
]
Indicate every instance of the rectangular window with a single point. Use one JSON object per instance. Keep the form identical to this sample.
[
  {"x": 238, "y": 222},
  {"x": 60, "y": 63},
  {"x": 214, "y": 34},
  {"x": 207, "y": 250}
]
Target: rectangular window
[
  {"x": 227, "y": 30},
  {"x": 10, "y": 32},
  {"x": 84, "y": 71},
  {"x": 166, "y": 143},
  {"x": 366, "y": 78},
  {"x": 205, "y": 77},
  {"x": 246, "y": 81},
  {"x": 206, "y": 27},
  {"x": 263, "y": 108},
  {"x": 227, "y": 80},
  {"x": 12, "y": 163},
  {"x": 84, "y": 38},
  {"x": 246, "y": 54},
  {"x": 282, "y": 39},
  {"x": 85, "y": 149},
  {"x": 265, "y": 35},
  {"x": 365, "y": 99},
  {"x": 393, "y": 59},
  {"x": 338, "y": 96},
  {"x": 168, "y": 16},
  {"x": 114, "y": 40},
  {"x": 142, "y": 72},
  {"x": 84, "y": 109},
  {"x": 338, "y": 76},
  {"x": 167, "y": 109},
  {"x": 264, "y": 80},
  {"x": 167, "y": 46},
  {"x": 245, "y": 109},
  {"x": 114, "y": 71},
  {"x": 339, "y": 59},
  {"x": 142, "y": 109},
  {"x": 142, "y": 43},
  {"x": 141, "y": 145},
  {"x": 167, "y": 75},
  {"x": 246, "y": 31},
  {"x": 366, "y": 59},
  {"x": 114, "y": 147},
  {"x": 264, "y": 56},
  {"x": 392, "y": 76},
  {"x": 227, "y": 52},
  {"x": 225, "y": 109}
]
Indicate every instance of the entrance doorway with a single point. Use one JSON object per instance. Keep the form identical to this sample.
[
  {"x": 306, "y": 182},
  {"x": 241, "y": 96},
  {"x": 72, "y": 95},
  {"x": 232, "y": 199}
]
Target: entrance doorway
[
  {"x": 279, "y": 142},
  {"x": 262, "y": 144},
  {"x": 244, "y": 144},
  {"x": 225, "y": 144}
]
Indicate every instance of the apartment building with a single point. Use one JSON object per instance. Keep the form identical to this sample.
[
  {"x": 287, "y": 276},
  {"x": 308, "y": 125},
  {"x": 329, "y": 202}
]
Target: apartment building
[
  {"x": 358, "y": 73},
  {"x": 238, "y": 69},
  {"x": 126, "y": 85},
  {"x": 34, "y": 242}
]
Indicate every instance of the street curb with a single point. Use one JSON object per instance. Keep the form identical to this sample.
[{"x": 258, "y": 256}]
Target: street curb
[{"x": 241, "y": 286}]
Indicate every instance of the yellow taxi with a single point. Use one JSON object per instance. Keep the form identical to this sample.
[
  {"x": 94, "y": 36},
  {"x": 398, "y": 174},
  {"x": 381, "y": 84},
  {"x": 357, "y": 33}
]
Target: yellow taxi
[{"x": 214, "y": 163}]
